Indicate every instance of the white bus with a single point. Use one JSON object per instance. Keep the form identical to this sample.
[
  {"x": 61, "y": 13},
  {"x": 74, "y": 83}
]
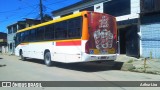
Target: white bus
[{"x": 80, "y": 37}]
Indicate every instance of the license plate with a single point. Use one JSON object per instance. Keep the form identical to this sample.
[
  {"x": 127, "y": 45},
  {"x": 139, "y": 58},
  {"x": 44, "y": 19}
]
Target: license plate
[{"x": 103, "y": 57}]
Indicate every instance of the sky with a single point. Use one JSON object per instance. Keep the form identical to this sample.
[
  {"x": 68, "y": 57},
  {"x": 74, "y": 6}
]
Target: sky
[{"x": 12, "y": 11}]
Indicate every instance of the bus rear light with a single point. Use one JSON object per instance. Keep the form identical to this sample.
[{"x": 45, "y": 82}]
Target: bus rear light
[
  {"x": 87, "y": 48},
  {"x": 115, "y": 36}
]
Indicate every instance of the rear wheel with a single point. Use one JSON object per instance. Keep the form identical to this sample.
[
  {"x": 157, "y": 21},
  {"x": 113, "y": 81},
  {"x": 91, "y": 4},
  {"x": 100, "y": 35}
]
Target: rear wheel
[{"x": 47, "y": 59}]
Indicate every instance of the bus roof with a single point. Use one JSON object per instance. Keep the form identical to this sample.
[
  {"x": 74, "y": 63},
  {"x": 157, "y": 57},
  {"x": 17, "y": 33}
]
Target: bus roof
[{"x": 54, "y": 21}]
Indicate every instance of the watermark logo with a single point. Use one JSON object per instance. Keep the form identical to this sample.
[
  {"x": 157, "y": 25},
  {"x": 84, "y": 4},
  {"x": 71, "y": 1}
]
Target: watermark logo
[
  {"x": 6, "y": 84},
  {"x": 20, "y": 84}
]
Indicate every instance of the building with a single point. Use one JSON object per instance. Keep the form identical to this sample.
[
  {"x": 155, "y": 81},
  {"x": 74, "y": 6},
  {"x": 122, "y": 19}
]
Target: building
[
  {"x": 127, "y": 15},
  {"x": 138, "y": 23},
  {"x": 150, "y": 28},
  {"x": 13, "y": 28},
  {"x": 3, "y": 42}
]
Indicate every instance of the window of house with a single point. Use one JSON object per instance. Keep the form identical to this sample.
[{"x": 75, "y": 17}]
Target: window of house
[
  {"x": 14, "y": 28},
  {"x": 117, "y": 7},
  {"x": 88, "y": 9},
  {"x": 9, "y": 30},
  {"x": 149, "y": 5}
]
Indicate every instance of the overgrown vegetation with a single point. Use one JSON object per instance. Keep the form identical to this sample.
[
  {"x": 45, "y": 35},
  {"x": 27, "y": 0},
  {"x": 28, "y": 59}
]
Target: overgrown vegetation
[{"x": 130, "y": 61}]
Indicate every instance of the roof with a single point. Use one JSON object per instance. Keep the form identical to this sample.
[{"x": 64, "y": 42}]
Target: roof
[
  {"x": 15, "y": 23},
  {"x": 77, "y": 6}
]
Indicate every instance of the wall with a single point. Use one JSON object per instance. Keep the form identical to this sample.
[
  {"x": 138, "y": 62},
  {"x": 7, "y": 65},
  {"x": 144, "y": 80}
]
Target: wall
[
  {"x": 10, "y": 39},
  {"x": 134, "y": 6},
  {"x": 135, "y": 10},
  {"x": 150, "y": 40}
]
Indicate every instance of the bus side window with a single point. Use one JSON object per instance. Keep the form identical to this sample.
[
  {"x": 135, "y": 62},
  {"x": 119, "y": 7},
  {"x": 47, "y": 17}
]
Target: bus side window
[
  {"x": 32, "y": 35},
  {"x": 49, "y": 32},
  {"x": 40, "y": 34},
  {"x": 22, "y": 36},
  {"x": 60, "y": 31},
  {"x": 17, "y": 41},
  {"x": 64, "y": 30},
  {"x": 26, "y": 34},
  {"x": 74, "y": 27}
]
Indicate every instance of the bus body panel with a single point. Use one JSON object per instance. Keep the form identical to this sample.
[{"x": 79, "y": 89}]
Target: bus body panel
[
  {"x": 102, "y": 34},
  {"x": 98, "y": 41},
  {"x": 101, "y": 43},
  {"x": 59, "y": 52},
  {"x": 95, "y": 57},
  {"x": 67, "y": 51}
]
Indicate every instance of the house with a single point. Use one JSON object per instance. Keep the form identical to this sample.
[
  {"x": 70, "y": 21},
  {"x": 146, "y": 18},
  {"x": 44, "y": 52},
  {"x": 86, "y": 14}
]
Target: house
[
  {"x": 127, "y": 13},
  {"x": 138, "y": 23},
  {"x": 150, "y": 28},
  {"x": 13, "y": 28},
  {"x": 3, "y": 42}
]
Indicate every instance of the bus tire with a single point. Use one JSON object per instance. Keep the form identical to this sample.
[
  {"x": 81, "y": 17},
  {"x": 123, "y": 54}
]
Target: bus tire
[
  {"x": 47, "y": 59},
  {"x": 22, "y": 57}
]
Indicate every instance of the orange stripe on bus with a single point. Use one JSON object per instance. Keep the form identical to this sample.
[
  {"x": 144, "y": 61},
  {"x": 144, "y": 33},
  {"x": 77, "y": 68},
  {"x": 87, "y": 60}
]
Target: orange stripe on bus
[
  {"x": 85, "y": 34},
  {"x": 69, "y": 43}
]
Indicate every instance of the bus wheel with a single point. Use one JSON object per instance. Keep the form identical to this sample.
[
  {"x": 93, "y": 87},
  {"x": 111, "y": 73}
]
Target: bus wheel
[
  {"x": 47, "y": 59},
  {"x": 22, "y": 57}
]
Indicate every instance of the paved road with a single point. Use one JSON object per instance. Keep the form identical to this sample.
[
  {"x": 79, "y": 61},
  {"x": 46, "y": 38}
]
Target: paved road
[{"x": 13, "y": 69}]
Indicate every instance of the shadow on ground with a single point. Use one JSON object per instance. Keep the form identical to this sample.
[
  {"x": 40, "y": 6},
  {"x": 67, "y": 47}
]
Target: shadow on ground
[
  {"x": 1, "y": 58},
  {"x": 85, "y": 66},
  {"x": 3, "y": 65}
]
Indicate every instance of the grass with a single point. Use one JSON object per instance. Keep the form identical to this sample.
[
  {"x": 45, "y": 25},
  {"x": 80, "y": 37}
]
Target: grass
[{"x": 130, "y": 61}]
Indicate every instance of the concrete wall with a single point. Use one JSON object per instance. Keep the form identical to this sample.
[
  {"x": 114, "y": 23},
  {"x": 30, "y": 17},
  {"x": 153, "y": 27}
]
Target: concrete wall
[
  {"x": 135, "y": 10},
  {"x": 150, "y": 40},
  {"x": 78, "y": 7},
  {"x": 10, "y": 39}
]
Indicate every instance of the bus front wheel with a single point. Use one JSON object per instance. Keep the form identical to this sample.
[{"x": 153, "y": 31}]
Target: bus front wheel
[
  {"x": 47, "y": 59},
  {"x": 21, "y": 55}
]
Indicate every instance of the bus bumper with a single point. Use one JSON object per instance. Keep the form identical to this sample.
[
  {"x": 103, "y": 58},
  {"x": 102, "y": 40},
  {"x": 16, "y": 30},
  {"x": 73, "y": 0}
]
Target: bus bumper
[{"x": 89, "y": 57}]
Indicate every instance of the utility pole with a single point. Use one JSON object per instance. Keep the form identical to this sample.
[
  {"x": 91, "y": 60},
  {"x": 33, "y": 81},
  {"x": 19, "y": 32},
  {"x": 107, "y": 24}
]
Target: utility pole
[{"x": 41, "y": 10}]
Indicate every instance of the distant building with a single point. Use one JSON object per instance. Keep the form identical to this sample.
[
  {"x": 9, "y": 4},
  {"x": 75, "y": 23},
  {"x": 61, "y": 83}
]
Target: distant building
[
  {"x": 13, "y": 28},
  {"x": 138, "y": 23},
  {"x": 3, "y": 42},
  {"x": 150, "y": 28}
]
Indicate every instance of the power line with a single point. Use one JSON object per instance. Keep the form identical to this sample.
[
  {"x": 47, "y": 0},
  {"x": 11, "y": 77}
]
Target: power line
[
  {"x": 35, "y": 6},
  {"x": 34, "y": 9},
  {"x": 57, "y": 2},
  {"x": 31, "y": 12},
  {"x": 41, "y": 10},
  {"x": 14, "y": 10},
  {"x": 26, "y": 3}
]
